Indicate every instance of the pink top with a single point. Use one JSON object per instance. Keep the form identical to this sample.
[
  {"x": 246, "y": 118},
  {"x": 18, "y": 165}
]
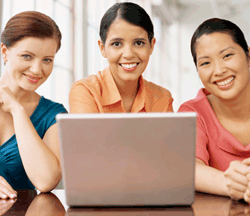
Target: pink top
[{"x": 215, "y": 145}]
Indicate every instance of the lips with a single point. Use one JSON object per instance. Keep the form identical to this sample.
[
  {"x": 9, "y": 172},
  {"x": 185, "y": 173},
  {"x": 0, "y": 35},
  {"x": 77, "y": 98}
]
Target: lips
[
  {"x": 225, "y": 82},
  {"x": 129, "y": 66},
  {"x": 32, "y": 78}
]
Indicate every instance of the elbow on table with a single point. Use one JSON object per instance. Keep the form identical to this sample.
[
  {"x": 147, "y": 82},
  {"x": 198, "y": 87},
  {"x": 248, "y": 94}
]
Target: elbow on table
[
  {"x": 48, "y": 185},
  {"x": 45, "y": 189}
]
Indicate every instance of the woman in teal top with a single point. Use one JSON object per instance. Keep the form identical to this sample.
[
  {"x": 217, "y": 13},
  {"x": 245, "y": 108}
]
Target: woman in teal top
[{"x": 29, "y": 149}]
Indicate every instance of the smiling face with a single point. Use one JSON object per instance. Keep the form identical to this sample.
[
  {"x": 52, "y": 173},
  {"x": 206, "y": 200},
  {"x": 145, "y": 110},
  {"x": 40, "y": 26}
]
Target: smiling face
[
  {"x": 30, "y": 61},
  {"x": 222, "y": 65},
  {"x": 127, "y": 49}
]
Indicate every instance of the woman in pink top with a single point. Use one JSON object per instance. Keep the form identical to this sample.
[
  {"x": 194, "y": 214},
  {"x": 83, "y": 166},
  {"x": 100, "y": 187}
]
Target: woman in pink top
[{"x": 221, "y": 56}]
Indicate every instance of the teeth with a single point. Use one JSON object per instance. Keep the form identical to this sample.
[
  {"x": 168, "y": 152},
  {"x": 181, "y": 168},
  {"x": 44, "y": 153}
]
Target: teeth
[
  {"x": 32, "y": 77},
  {"x": 225, "y": 82},
  {"x": 128, "y": 65}
]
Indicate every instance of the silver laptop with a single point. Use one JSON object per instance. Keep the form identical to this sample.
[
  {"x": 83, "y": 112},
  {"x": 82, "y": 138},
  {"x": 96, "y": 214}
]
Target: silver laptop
[{"x": 128, "y": 159}]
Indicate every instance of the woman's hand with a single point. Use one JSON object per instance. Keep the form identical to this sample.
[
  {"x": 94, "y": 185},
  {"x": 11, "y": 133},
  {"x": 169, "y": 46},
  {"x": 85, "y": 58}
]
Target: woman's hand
[
  {"x": 6, "y": 191},
  {"x": 8, "y": 101},
  {"x": 236, "y": 179},
  {"x": 247, "y": 193},
  {"x": 5, "y": 205}
]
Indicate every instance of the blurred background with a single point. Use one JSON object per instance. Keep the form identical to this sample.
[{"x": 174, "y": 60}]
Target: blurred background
[{"x": 171, "y": 64}]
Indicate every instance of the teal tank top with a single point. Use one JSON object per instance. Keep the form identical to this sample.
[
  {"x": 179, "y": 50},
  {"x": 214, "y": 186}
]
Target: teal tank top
[{"x": 11, "y": 167}]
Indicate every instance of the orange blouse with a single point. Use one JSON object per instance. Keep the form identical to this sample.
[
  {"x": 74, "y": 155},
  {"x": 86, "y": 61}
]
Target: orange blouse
[{"x": 99, "y": 94}]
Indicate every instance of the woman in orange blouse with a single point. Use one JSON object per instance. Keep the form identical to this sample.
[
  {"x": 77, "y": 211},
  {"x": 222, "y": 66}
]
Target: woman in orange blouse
[{"x": 127, "y": 41}]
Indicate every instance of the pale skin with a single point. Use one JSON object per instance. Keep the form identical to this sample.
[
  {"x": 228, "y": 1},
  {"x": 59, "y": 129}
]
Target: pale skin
[
  {"x": 40, "y": 157},
  {"x": 222, "y": 62},
  {"x": 126, "y": 44},
  {"x": 5, "y": 205}
]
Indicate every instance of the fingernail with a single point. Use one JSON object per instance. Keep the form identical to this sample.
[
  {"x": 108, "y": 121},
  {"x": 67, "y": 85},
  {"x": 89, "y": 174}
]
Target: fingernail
[
  {"x": 12, "y": 201},
  {"x": 12, "y": 195},
  {"x": 248, "y": 168},
  {"x": 4, "y": 196}
]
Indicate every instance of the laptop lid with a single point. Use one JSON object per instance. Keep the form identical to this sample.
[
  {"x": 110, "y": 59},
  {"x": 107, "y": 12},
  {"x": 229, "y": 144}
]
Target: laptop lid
[{"x": 128, "y": 159}]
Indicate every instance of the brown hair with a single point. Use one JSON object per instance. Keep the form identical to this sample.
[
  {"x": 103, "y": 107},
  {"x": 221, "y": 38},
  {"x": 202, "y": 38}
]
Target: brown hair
[{"x": 30, "y": 24}]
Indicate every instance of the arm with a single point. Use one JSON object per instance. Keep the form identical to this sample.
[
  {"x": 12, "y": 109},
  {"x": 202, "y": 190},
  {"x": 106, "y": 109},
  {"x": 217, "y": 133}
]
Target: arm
[
  {"x": 232, "y": 182},
  {"x": 81, "y": 100},
  {"x": 209, "y": 179},
  {"x": 40, "y": 158}
]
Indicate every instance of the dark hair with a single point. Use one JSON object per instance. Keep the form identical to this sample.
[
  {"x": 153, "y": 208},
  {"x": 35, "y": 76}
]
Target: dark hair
[
  {"x": 129, "y": 12},
  {"x": 222, "y": 26},
  {"x": 30, "y": 24}
]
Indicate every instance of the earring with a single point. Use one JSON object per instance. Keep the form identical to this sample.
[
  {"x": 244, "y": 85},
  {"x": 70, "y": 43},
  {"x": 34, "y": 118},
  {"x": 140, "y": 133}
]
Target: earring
[{"x": 104, "y": 55}]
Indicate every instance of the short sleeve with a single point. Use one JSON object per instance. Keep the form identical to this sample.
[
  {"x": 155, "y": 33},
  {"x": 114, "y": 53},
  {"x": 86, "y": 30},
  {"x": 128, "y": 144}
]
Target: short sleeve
[
  {"x": 45, "y": 115},
  {"x": 201, "y": 136},
  {"x": 170, "y": 105},
  {"x": 55, "y": 109},
  {"x": 81, "y": 100}
]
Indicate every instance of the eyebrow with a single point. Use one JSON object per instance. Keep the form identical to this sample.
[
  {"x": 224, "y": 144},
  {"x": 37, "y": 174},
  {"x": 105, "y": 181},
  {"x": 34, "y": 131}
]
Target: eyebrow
[
  {"x": 116, "y": 39},
  {"x": 121, "y": 39},
  {"x": 35, "y": 55},
  {"x": 140, "y": 39},
  {"x": 220, "y": 52},
  {"x": 226, "y": 49}
]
